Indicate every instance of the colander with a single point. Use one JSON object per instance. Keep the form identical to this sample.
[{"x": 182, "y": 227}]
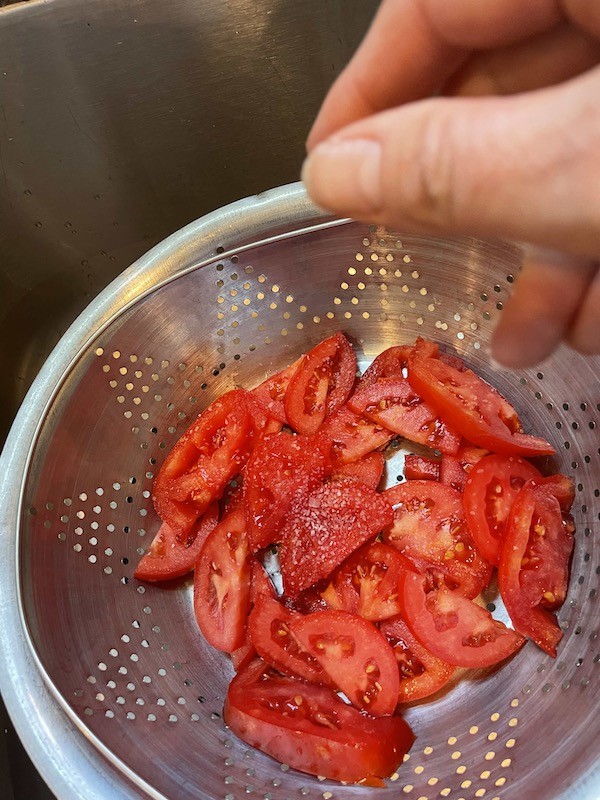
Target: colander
[{"x": 108, "y": 680}]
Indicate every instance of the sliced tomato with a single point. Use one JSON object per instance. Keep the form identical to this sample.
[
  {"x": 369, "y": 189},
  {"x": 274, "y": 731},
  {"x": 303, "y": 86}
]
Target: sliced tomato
[
  {"x": 490, "y": 491},
  {"x": 222, "y": 584},
  {"x": 452, "y": 472},
  {"x": 419, "y": 468},
  {"x": 321, "y": 384},
  {"x": 260, "y": 586},
  {"x": 208, "y": 455},
  {"x": 561, "y": 487},
  {"x": 353, "y": 436},
  {"x": 430, "y": 529},
  {"x": 394, "y": 404},
  {"x": 421, "y": 673},
  {"x": 280, "y": 467},
  {"x": 354, "y": 655},
  {"x": 534, "y": 565},
  {"x": 453, "y": 627},
  {"x": 233, "y": 496},
  {"x": 367, "y": 470},
  {"x": 172, "y": 554},
  {"x": 469, "y": 455},
  {"x": 309, "y": 728},
  {"x": 271, "y": 392},
  {"x": 472, "y": 407},
  {"x": 324, "y": 527},
  {"x": 390, "y": 363},
  {"x": 367, "y": 582},
  {"x": 269, "y": 627}
]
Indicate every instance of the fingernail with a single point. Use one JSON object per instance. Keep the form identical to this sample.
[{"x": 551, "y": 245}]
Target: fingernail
[{"x": 345, "y": 175}]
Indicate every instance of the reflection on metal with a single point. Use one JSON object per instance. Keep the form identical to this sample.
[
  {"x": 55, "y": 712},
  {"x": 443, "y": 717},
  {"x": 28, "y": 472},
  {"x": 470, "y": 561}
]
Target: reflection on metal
[{"x": 122, "y": 121}]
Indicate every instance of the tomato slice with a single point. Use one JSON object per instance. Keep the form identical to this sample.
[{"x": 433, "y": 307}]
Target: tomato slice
[
  {"x": 394, "y": 404},
  {"x": 490, "y": 491},
  {"x": 354, "y": 655},
  {"x": 222, "y": 584},
  {"x": 353, "y": 436},
  {"x": 367, "y": 582},
  {"x": 172, "y": 554},
  {"x": 280, "y": 467},
  {"x": 367, "y": 470},
  {"x": 561, "y": 487},
  {"x": 472, "y": 407},
  {"x": 452, "y": 472},
  {"x": 208, "y": 455},
  {"x": 419, "y": 468},
  {"x": 390, "y": 363},
  {"x": 321, "y": 384},
  {"x": 260, "y": 586},
  {"x": 271, "y": 392},
  {"x": 421, "y": 673},
  {"x": 309, "y": 728},
  {"x": 430, "y": 529},
  {"x": 534, "y": 565},
  {"x": 324, "y": 527},
  {"x": 453, "y": 627},
  {"x": 269, "y": 626}
]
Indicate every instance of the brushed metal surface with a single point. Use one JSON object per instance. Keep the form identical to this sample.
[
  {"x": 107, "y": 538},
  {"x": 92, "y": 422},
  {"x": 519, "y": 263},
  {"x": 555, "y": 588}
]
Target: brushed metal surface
[
  {"x": 121, "y": 121},
  {"x": 140, "y": 691}
]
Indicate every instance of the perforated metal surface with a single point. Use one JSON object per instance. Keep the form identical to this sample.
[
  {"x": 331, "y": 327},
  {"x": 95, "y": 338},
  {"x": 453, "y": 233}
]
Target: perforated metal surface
[{"x": 126, "y": 660}]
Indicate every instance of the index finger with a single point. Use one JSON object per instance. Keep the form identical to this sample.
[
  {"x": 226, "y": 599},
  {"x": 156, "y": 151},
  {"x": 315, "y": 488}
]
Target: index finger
[{"x": 414, "y": 46}]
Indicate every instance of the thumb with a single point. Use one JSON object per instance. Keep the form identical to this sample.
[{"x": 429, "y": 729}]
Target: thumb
[{"x": 523, "y": 167}]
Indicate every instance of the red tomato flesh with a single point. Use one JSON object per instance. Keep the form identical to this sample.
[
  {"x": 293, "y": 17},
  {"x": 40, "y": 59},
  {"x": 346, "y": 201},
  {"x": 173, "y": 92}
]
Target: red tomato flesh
[
  {"x": 353, "y": 436},
  {"x": 419, "y": 468},
  {"x": 453, "y": 627},
  {"x": 472, "y": 407},
  {"x": 394, "y": 404},
  {"x": 321, "y": 384},
  {"x": 421, "y": 673},
  {"x": 534, "y": 565},
  {"x": 354, "y": 655},
  {"x": 281, "y": 467},
  {"x": 367, "y": 470},
  {"x": 367, "y": 582},
  {"x": 171, "y": 554},
  {"x": 324, "y": 527},
  {"x": 309, "y": 728},
  {"x": 490, "y": 491},
  {"x": 429, "y": 528},
  {"x": 222, "y": 584},
  {"x": 271, "y": 392},
  {"x": 269, "y": 626}
]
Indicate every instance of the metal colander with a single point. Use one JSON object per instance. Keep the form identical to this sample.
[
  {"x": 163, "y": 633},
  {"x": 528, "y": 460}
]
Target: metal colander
[{"x": 109, "y": 682}]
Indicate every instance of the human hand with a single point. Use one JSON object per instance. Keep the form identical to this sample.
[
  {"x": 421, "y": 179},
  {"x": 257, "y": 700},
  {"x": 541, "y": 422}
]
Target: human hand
[{"x": 510, "y": 149}]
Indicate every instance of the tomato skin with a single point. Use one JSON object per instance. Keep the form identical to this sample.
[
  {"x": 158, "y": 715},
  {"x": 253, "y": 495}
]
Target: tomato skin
[
  {"x": 222, "y": 584},
  {"x": 309, "y": 728},
  {"x": 368, "y": 470},
  {"x": 206, "y": 457},
  {"x": 534, "y": 565},
  {"x": 354, "y": 655},
  {"x": 171, "y": 555},
  {"x": 472, "y": 407},
  {"x": 419, "y": 468},
  {"x": 260, "y": 586},
  {"x": 454, "y": 628},
  {"x": 353, "y": 436},
  {"x": 324, "y": 527},
  {"x": 321, "y": 384},
  {"x": 394, "y": 404},
  {"x": 430, "y": 529},
  {"x": 367, "y": 582},
  {"x": 490, "y": 490},
  {"x": 281, "y": 467},
  {"x": 421, "y": 673}
]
